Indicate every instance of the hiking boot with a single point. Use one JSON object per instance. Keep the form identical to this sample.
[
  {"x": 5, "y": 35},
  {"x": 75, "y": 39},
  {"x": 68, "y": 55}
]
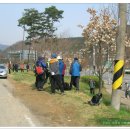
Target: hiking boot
[
  {"x": 40, "y": 89},
  {"x": 62, "y": 93}
]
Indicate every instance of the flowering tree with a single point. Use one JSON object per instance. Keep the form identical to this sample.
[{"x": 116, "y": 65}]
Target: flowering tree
[{"x": 101, "y": 33}]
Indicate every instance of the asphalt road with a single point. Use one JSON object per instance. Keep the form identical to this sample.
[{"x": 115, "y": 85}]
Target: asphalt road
[{"x": 12, "y": 112}]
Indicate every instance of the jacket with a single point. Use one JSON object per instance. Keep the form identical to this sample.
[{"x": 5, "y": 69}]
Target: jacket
[
  {"x": 41, "y": 63},
  {"x": 75, "y": 68},
  {"x": 63, "y": 72},
  {"x": 61, "y": 67},
  {"x": 54, "y": 66}
]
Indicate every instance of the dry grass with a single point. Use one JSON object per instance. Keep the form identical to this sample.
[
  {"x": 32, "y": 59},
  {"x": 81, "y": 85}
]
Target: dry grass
[{"x": 70, "y": 109}]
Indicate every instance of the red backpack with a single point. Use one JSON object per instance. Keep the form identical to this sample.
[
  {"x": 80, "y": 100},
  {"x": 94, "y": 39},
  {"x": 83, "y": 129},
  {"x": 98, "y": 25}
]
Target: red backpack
[{"x": 39, "y": 70}]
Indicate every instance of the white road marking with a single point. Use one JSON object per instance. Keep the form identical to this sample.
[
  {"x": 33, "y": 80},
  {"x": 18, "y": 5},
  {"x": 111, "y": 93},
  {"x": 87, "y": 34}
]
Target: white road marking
[{"x": 29, "y": 120}]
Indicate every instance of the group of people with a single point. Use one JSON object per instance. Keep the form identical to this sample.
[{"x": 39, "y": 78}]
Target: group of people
[
  {"x": 54, "y": 69},
  {"x": 15, "y": 67}
]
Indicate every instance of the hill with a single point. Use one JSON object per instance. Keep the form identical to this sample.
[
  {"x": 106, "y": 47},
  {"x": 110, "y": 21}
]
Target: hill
[
  {"x": 3, "y": 47},
  {"x": 62, "y": 44}
]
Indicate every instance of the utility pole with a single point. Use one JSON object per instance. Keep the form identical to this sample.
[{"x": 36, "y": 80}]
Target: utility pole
[
  {"x": 119, "y": 61},
  {"x": 23, "y": 42}
]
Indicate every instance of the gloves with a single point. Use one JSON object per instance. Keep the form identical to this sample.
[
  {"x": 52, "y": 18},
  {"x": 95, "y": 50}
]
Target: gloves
[{"x": 52, "y": 73}]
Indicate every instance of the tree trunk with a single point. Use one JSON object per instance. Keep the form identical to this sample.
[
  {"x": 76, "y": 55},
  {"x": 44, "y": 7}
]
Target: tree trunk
[
  {"x": 29, "y": 53},
  {"x": 100, "y": 83}
]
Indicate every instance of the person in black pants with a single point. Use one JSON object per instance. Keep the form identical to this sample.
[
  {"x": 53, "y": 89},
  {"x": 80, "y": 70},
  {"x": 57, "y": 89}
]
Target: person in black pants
[
  {"x": 55, "y": 75},
  {"x": 75, "y": 69},
  {"x": 39, "y": 77}
]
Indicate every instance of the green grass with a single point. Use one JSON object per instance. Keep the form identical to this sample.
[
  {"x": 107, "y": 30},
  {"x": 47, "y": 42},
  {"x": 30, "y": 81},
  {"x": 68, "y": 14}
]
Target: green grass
[
  {"x": 103, "y": 115},
  {"x": 25, "y": 77}
]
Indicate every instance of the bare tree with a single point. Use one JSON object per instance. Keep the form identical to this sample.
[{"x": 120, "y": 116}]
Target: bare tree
[{"x": 100, "y": 33}]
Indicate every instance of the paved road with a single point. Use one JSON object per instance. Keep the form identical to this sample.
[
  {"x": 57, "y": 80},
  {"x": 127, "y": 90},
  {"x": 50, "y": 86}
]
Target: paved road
[
  {"x": 108, "y": 85},
  {"x": 12, "y": 112}
]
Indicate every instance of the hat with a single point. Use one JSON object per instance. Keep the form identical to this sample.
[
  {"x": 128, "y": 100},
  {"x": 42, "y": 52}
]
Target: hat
[
  {"x": 75, "y": 58},
  {"x": 53, "y": 55},
  {"x": 59, "y": 57}
]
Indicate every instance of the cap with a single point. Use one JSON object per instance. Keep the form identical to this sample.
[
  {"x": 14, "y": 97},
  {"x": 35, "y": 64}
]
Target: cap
[
  {"x": 53, "y": 55},
  {"x": 59, "y": 57}
]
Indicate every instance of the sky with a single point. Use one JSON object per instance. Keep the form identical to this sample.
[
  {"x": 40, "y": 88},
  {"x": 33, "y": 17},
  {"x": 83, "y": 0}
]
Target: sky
[{"x": 74, "y": 14}]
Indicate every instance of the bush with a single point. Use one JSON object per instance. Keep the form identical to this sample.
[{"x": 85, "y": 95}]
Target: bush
[{"x": 86, "y": 79}]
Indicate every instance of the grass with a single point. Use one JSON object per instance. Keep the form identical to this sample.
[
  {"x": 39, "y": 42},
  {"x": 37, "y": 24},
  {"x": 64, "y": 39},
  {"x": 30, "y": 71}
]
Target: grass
[{"x": 103, "y": 115}]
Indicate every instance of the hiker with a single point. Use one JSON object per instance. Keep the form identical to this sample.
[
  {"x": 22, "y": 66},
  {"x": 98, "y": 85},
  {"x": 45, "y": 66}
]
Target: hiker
[
  {"x": 55, "y": 75},
  {"x": 39, "y": 77},
  {"x": 62, "y": 68},
  {"x": 22, "y": 67},
  {"x": 27, "y": 67},
  {"x": 13, "y": 67},
  {"x": 75, "y": 69},
  {"x": 63, "y": 72},
  {"x": 9, "y": 67},
  {"x": 92, "y": 86},
  {"x": 47, "y": 70},
  {"x": 16, "y": 67},
  {"x": 40, "y": 73}
]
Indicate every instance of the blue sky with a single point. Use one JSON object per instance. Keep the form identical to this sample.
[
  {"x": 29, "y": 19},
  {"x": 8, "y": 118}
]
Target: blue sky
[{"x": 74, "y": 14}]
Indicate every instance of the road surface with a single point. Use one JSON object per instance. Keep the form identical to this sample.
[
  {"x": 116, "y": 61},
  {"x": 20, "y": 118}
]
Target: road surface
[
  {"x": 12, "y": 112},
  {"x": 108, "y": 85}
]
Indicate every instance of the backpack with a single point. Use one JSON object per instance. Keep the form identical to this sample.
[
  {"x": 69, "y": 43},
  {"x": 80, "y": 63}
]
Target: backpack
[
  {"x": 67, "y": 86},
  {"x": 96, "y": 99},
  {"x": 39, "y": 70}
]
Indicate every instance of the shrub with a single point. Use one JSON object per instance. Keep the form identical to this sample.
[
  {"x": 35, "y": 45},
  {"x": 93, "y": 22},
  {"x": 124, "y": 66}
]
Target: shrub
[{"x": 86, "y": 79}]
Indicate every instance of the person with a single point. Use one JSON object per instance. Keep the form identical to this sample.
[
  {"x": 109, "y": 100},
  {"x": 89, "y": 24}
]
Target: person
[
  {"x": 62, "y": 68},
  {"x": 22, "y": 67},
  {"x": 40, "y": 76},
  {"x": 75, "y": 70},
  {"x": 16, "y": 67},
  {"x": 47, "y": 70},
  {"x": 27, "y": 67},
  {"x": 9, "y": 67},
  {"x": 55, "y": 75},
  {"x": 92, "y": 86},
  {"x": 13, "y": 67},
  {"x": 127, "y": 89},
  {"x": 63, "y": 72}
]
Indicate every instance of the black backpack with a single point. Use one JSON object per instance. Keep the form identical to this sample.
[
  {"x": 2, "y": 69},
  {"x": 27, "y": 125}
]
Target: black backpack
[
  {"x": 96, "y": 99},
  {"x": 67, "y": 86}
]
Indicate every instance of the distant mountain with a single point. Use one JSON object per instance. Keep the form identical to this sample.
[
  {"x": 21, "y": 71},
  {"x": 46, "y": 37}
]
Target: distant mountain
[{"x": 3, "y": 47}]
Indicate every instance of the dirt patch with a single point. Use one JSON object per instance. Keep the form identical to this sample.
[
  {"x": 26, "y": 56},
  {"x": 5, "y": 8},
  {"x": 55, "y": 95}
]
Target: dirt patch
[{"x": 53, "y": 110}]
